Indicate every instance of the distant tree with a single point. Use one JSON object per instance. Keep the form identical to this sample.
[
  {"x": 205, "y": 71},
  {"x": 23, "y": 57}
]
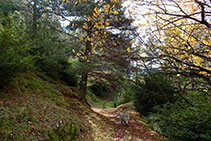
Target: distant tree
[{"x": 39, "y": 12}]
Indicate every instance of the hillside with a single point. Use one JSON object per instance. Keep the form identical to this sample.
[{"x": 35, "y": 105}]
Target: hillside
[{"x": 35, "y": 107}]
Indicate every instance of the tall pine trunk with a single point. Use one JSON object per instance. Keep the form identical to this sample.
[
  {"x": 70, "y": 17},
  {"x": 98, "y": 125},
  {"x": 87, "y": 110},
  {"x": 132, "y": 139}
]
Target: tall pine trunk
[
  {"x": 83, "y": 85},
  {"x": 84, "y": 76}
]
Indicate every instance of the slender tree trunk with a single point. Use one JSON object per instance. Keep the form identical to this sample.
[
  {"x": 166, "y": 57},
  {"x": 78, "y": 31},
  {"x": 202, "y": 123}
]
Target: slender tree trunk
[
  {"x": 83, "y": 85},
  {"x": 35, "y": 17},
  {"x": 136, "y": 72}
]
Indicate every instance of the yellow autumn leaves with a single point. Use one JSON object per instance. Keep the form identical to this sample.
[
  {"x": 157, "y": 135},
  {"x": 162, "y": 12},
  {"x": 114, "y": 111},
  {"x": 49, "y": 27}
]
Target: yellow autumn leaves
[
  {"x": 43, "y": 15},
  {"x": 85, "y": 26},
  {"x": 80, "y": 1},
  {"x": 96, "y": 25},
  {"x": 78, "y": 55},
  {"x": 187, "y": 44},
  {"x": 73, "y": 1}
]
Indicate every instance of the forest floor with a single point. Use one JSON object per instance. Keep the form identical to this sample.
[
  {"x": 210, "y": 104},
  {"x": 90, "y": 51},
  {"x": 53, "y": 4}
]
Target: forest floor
[
  {"x": 35, "y": 107},
  {"x": 105, "y": 126}
]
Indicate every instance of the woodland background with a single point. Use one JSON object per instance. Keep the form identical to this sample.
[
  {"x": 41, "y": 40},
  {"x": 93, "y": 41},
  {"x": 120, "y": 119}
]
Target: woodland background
[{"x": 97, "y": 53}]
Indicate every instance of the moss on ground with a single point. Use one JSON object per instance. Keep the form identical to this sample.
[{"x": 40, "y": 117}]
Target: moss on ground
[{"x": 33, "y": 107}]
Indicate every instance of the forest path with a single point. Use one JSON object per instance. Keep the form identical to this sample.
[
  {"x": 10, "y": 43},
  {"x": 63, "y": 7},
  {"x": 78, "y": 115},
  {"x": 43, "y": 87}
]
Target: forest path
[{"x": 135, "y": 131}]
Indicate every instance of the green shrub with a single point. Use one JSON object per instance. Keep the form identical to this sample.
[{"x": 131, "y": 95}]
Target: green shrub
[
  {"x": 152, "y": 93},
  {"x": 183, "y": 122},
  {"x": 69, "y": 76},
  {"x": 55, "y": 63},
  {"x": 14, "y": 47},
  {"x": 124, "y": 94}
]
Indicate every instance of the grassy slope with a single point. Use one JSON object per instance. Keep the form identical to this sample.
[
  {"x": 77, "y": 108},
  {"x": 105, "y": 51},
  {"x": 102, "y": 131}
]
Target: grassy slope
[{"x": 34, "y": 106}]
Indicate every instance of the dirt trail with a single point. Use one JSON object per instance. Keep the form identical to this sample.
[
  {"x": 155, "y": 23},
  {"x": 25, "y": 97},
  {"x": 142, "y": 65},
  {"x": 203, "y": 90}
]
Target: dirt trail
[{"x": 136, "y": 131}]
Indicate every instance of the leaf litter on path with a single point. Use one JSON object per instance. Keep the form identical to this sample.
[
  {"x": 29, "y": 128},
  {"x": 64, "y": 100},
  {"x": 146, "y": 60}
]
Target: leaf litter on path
[{"x": 106, "y": 126}]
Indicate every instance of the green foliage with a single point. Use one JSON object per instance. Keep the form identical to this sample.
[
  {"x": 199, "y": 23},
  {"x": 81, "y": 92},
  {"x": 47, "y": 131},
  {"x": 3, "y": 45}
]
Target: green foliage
[
  {"x": 14, "y": 47},
  {"x": 69, "y": 76},
  {"x": 58, "y": 68},
  {"x": 124, "y": 94},
  {"x": 8, "y": 6},
  {"x": 153, "y": 92},
  {"x": 64, "y": 132},
  {"x": 53, "y": 58},
  {"x": 97, "y": 41},
  {"x": 183, "y": 122}
]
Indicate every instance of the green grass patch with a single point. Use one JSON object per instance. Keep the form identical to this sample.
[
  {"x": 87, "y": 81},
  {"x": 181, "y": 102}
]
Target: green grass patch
[
  {"x": 110, "y": 104},
  {"x": 99, "y": 101}
]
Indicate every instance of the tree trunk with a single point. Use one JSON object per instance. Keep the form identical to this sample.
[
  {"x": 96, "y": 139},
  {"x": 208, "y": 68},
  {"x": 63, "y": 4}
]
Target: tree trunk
[
  {"x": 83, "y": 85},
  {"x": 84, "y": 77},
  {"x": 35, "y": 17}
]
